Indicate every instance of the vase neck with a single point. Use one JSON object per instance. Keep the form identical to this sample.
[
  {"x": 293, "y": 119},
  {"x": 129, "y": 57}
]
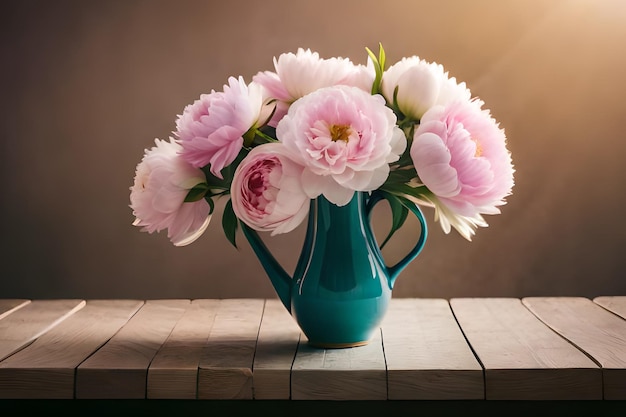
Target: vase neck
[{"x": 330, "y": 214}]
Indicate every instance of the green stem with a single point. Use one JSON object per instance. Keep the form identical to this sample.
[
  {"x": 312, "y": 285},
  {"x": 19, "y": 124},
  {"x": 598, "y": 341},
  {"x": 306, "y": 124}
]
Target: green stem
[{"x": 265, "y": 136}]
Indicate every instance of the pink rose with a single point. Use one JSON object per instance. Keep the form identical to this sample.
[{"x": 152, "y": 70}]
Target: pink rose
[
  {"x": 162, "y": 180},
  {"x": 211, "y": 129},
  {"x": 460, "y": 155},
  {"x": 346, "y": 139},
  {"x": 266, "y": 192}
]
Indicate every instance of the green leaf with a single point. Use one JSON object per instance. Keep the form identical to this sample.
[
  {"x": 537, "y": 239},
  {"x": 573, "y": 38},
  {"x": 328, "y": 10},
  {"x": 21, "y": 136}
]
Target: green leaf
[
  {"x": 211, "y": 204},
  {"x": 372, "y": 56},
  {"x": 394, "y": 103},
  {"x": 227, "y": 172},
  {"x": 379, "y": 67},
  {"x": 382, "y": 58},
  {"x": 401, "y": 176},
  {"x": 229, "y": 223},
  {"x": 399, "y": 214},
  {"x": 197, "y": 193},
  {"x": 249, "y": 136}
]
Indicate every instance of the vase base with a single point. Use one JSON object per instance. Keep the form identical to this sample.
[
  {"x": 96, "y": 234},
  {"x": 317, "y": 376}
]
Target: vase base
[{"x": 338, "y": 345}]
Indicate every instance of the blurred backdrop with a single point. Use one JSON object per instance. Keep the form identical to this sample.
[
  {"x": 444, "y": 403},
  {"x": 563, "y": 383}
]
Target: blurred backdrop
[{"x": 87, "y": 85}]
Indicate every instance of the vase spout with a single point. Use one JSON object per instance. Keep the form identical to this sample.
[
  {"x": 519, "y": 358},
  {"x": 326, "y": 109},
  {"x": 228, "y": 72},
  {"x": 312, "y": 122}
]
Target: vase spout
[{"x": 280, "y": 279}]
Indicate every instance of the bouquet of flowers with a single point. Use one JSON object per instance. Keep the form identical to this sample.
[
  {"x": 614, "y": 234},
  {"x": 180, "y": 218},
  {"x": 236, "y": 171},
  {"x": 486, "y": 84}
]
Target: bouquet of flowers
[{"x": 329, "y": 127}]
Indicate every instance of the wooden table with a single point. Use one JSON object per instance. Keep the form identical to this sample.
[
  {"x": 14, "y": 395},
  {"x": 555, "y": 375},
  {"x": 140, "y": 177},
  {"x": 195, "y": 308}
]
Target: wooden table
[{"x": 538, "y": 348}]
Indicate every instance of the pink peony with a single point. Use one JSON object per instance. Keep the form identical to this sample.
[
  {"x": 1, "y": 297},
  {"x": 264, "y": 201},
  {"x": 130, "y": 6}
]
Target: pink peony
[
  {"x": 460, "y": 155},
  {"x": 162, "y": 180},
  {"x": 345, "y": 137},
  {"x": 211, "y": 129},
  {"x": 420, "y": 85},
  {"x": 266, "y": 193},
  {"x": 304, "y": 72}
]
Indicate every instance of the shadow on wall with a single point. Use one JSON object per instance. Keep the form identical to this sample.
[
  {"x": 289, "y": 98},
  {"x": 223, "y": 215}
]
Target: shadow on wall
[{"x": 88, "y": 86}]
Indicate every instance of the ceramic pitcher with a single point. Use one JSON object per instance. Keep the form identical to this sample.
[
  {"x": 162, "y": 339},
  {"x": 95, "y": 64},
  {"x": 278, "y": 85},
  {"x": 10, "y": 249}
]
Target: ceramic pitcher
[{"x": 341, "y": 286}]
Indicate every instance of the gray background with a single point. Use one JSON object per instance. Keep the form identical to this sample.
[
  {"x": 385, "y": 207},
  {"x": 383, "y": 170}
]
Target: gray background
[{"x": 87, "y": 85}]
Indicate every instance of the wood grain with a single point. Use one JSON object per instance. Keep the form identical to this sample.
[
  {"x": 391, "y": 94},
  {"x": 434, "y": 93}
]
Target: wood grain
[
  {"x": 600, "y": 333},
  {"x": 275, "y": 351},
  {"x": 119, "y": 369},
  {"x": 427, "y": 355},
  {"x": 616, "y": 304},
  {"x": 173, "y": 372},
  {"x": 537, "y": 348},
  {"x": 523, "y": 359},
  {"x": 45, "y": 369},
  {"x": 25, "y": 324},
  {"x": 9, "y": 306},
  {"x": 356, "y": 373},
  {"x": 225, "y": 370}
]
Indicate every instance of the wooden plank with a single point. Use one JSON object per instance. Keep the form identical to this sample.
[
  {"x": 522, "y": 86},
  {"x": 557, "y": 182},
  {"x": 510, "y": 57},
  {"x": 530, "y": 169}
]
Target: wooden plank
[
  {"x": 173, "y": 373},
  {"x": 9, "y": 306},
  {"x": 46, "y": 368},
  {"x": 427, "y": 355},
  {"x": 615, "y": 304},
  {"x": 225, "y": 370},
  {"x": 24, "y": 325},
  {"x": 119, "y": 369},
  {"x": 600, "y": 333},
  {"x": 356, "y": 373},
  {"x": 523, "y": 359},
  {"x": 278, "y": 340}
]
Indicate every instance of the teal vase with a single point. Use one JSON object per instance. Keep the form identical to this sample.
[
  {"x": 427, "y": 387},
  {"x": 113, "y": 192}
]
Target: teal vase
[{"x": 341, "y": 286}]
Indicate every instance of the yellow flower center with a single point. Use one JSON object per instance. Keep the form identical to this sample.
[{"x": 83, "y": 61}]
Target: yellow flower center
[
  {"x": 340, "y": 132},
  {"x": 479, "y": 149}
]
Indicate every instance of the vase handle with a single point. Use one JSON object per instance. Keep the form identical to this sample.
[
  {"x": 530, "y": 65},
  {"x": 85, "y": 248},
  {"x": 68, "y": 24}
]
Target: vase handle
[{"x": 394, "y": 271}]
